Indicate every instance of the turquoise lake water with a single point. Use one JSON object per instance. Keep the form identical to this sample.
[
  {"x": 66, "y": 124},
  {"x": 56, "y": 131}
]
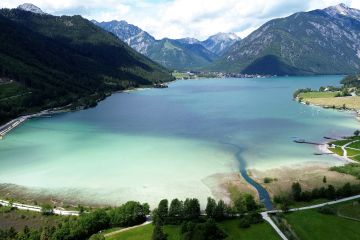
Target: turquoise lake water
[{"x": 155, "y": 143}]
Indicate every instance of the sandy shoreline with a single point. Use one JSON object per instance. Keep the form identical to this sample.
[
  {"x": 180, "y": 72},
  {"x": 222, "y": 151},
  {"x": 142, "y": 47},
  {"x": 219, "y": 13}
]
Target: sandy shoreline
[
  {"x": 309, "y": 175},
  {"x": 219, "y": 185}
]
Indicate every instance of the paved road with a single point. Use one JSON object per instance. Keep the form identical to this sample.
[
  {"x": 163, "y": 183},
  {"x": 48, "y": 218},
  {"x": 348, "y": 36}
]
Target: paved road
[
  {"x": 38, "y": 209},
  {"x": 266, "y": 217},
  {"x": 4, "y": 129}
]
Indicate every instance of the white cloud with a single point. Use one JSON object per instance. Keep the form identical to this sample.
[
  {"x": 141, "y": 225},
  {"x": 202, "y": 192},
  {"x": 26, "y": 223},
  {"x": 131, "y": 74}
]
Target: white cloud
[{"x": 184, "y": 18}]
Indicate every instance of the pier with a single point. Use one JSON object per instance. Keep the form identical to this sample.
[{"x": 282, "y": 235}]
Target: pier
[{"x": 307, "y": 142}]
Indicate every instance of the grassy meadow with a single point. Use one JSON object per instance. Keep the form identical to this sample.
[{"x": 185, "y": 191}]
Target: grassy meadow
[
  {"x": 311, "y": 224},
  {"x": 262, "y": 231}
]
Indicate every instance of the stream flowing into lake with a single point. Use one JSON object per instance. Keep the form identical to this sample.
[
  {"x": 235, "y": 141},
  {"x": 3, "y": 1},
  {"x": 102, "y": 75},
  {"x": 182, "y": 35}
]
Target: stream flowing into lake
[{"x": 151, "y": 144}]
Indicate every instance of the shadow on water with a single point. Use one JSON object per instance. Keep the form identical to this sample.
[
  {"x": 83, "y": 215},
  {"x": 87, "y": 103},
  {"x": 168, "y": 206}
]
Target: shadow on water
[{"x": 263, "y": 194}]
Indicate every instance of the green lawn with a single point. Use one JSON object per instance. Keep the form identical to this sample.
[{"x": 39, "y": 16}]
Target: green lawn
[
  {"x": 352, "y": 152},
  {"x": 337, "y": 150},
  {"x": 231, "y": 227},
  {"x": 255, "y": 232},
  {"x": 140, "y": 233},
  {"x": 351, "y": 210},
  {"x": 342, "y": 142},
  {"x": 355, "y": 145},
  {"x": 110, "y": 230},
  {"x": 304, "y": 204},
  {"x": 313, "y": 225},
  {"x": 317, "y": 95},
  {"x": 173, "y": 232},
  {"x": 357, "y": 158}
]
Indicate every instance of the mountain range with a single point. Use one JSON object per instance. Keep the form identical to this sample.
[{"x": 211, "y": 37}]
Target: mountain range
[
  {"x": 179, "y": 54},
  {"x": 57, "y": 61},
  {"x": 323, "y": 41}
]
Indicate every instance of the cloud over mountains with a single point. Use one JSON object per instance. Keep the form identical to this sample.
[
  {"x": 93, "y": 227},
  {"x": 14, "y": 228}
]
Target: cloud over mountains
[{"x": 183, "y": 18}]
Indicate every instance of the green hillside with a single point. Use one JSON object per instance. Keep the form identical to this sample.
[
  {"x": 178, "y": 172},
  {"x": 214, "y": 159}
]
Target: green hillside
[
  {"x": 65, "y": 60},
  {"x": 175, "y": 55}
]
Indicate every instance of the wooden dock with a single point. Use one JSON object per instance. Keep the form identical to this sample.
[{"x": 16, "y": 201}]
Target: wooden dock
[{"x": 307, "y": 142}]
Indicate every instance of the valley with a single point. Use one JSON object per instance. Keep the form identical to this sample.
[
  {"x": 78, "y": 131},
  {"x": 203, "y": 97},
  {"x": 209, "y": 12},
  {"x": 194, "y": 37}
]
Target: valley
[{"x": 133, "y": 122}]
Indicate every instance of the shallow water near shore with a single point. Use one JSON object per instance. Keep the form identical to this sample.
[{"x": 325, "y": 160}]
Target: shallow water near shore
[{"x": 162, "y": 143}]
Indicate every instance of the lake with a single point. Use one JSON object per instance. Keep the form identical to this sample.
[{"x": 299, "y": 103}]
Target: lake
[{"x": 163, "y": 143}]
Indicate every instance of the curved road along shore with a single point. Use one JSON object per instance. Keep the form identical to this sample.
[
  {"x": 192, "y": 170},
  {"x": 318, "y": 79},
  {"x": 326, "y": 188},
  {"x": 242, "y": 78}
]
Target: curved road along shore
[
  {"x": 38, "y": 209},
  {"x": 7, "y": 127}
]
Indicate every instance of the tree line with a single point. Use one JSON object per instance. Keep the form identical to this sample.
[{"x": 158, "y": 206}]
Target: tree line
[
  {"x": 330, "y": 192},
  {"x": 196, "y": 225},
  {"x": 82, "y": 227}
]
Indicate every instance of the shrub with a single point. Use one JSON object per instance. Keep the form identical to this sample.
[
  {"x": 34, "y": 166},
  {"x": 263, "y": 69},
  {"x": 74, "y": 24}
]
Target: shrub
[
  {"x": 158, "y": 233},
  {"x": 47, "y": 209},
  {"x": 268, "y": 180},
  {"x": 244, "y": 222},
  {"x": 326, "y": 210}
]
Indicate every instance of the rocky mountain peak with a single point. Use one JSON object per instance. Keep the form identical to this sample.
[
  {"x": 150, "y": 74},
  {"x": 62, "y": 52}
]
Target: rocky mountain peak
[
  {"x": 225, "y": 36},
  {"x": 30, "y": 8},
  {"x": 343, "y": 10}
]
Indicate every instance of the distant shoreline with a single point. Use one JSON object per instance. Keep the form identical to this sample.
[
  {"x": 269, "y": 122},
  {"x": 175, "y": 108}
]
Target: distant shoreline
[{"x": 16, "y": 122}]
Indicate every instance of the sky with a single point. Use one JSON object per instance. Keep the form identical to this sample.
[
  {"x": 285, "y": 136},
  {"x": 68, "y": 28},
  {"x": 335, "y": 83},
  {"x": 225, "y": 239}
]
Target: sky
[{"x": 183, "y": 18}]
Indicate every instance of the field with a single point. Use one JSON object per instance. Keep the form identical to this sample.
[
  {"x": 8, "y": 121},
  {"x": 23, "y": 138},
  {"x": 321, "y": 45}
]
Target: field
[
  {"x": 326, "y": 99},
  {"x": 311, "y": 224},
  {"x": 181, "y": 75},
  {"x": 352, "y": 169},
  {"x": 317, "y": 95},
  {"x": 349, "y": 210},
  {"x": 355, "y": 145},
  {"x": 310, "y": 175},
  {"x": 258, "y": 232},
  {"x": 19, "y": 219},
  {"x": 143, "y": 232},
  {"x": 337, "y": 150}
]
